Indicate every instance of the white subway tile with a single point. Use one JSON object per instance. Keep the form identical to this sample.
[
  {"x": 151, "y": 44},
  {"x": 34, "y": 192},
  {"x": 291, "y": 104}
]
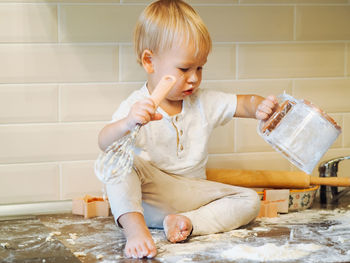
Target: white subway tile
[
  {"x": 248, "y": 23},
  {"x": 49, "y": 142},
  {"x": 346, "y": 131},
  {"x": 98, "y": 23},
  {"x": 78, "y": 179},
  {"x": 291, "y": 60},
  {"x": 331, "y": 95},
  {"x": 28, "y": 103},
  {"x": 24, "y": 183},
  {"x": 221, "y": 63},
  {"x": 292, "y": 1},
  {"x": 58, "y": 63},
  {"x": 28, "y": 23},
  {"x": 264, "y": 87},
  {"x": 91, "y": 102},
  {"x": 323, "y": 22},
  {"x": 222, "y": 139},
  {"x": 130, "y": 70},
  {"x": 247, "y": 137}
]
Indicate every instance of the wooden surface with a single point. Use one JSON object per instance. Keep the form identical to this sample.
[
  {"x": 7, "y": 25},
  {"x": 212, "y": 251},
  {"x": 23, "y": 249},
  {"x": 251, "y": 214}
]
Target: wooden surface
[{"x": 271, "y": 179}]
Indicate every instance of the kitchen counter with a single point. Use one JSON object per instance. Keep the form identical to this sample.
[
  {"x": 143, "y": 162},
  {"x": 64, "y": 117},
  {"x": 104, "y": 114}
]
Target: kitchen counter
[{"x": 320, "y": 234}]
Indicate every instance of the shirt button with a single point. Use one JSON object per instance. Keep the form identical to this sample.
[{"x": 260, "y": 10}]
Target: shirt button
[
  {"x": 177, "y": 118},
  {"x": 181, "y": 132},
  {"x": 181, "y": 148}
]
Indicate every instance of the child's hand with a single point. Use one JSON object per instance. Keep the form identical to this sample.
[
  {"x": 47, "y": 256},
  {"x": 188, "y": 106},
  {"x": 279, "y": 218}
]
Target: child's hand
[
  {"x": 266, "y": 108},
  {"x": 142, "y": 112}
]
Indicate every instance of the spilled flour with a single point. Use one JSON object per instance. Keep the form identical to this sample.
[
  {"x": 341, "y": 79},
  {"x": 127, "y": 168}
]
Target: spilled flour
[
  {"x": 308, "y": 236},
  {"x": 270, "y": 252}
]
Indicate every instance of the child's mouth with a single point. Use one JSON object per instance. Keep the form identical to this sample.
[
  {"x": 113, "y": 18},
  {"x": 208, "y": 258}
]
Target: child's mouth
[{"x": 188, "y": 92}]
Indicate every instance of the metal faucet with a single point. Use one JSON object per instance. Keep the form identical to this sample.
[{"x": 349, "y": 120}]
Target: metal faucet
[{"x": 330, "y": 194}]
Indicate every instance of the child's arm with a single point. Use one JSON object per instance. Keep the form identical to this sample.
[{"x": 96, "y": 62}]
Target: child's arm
[
  {"x": 141, "y": 112},
  {"x": 254, "y": 106}
]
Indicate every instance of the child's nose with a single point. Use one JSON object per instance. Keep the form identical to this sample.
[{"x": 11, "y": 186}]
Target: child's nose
[{"x": 193, "y": 78}]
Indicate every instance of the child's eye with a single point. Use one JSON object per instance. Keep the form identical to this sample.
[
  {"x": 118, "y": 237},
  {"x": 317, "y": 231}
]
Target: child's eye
[
  {"x": 199, "y": 68},
  {"x": 184, "y": 69}
]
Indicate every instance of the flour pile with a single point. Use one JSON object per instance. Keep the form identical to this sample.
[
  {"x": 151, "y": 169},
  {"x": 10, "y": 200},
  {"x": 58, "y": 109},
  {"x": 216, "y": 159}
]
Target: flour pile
[{"x": 270, "y": 252}]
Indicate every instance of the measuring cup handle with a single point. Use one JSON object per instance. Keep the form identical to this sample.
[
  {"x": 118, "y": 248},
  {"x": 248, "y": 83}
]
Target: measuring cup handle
[{"x": 162, "y": 89}]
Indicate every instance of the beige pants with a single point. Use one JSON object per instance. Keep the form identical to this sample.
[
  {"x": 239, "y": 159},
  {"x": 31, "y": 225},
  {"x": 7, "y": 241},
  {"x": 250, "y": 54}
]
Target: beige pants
[{"x": 212, "y": 207}]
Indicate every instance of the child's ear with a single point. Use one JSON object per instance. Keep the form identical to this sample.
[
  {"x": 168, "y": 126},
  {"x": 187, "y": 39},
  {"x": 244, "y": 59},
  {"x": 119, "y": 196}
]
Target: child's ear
[{"x": 147, "y": 61}]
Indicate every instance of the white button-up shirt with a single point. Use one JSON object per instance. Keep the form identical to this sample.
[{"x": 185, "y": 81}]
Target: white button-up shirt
[{"x": 178, "y": 144}]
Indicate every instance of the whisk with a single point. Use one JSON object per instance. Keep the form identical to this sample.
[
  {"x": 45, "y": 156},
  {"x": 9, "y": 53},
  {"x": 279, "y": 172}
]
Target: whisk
[{"x": 116, "y": 162}]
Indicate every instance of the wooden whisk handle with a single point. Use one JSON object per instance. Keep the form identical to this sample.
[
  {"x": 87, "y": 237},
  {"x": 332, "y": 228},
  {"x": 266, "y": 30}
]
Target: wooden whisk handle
[{"x": 162, "y": 89}]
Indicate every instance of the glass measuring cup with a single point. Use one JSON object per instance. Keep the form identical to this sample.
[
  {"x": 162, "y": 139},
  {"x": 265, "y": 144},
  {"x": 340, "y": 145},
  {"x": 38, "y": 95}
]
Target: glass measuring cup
[{"x": 300, "y": 131}]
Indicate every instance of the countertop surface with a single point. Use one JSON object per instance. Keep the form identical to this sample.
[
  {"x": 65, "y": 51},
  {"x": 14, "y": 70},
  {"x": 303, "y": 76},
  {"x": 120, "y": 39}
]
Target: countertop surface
[{"x": 320, "y": 234}]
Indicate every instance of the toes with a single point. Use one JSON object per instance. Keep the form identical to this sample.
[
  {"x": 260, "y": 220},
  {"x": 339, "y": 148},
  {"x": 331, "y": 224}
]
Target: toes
[
  {"x": 134, "y": 253},
  {"x": 152, "y": 251},
  {"x": 127, "y": 252},
  {"x": 140, "y": 251},
  {"x": 145, "y": 250},
  {"x": 177, "y": 228},
  {"x": 130, "y": 253}
]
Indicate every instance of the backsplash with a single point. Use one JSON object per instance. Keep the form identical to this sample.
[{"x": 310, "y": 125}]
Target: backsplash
[{"x": 65, "y": 65}]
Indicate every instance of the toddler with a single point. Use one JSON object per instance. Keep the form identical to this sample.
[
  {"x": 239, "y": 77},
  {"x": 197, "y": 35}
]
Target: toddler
[{"x": 167, "y": 187}]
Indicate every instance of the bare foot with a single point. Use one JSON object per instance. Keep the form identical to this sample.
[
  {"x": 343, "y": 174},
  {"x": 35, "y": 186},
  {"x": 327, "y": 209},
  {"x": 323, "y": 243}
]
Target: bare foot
[
  {"x": 177, "y": 227},
  {"x": 139, "y": 242}
]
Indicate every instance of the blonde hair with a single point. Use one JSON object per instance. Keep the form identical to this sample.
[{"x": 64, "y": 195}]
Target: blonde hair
[{"x": 166, "y": 23}]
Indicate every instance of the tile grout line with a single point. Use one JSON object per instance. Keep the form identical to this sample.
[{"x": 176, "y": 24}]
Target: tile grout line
[
  {"x": 59, "y": 33},
  {"x": 59, "y": 162},
  {"x": 235, "y": 135},
  {"x": 237, "y": 57},
  {"x": 59, "y": 99},
  {"x": 343, "y": 133},
  {"x": 59, "y": 103},
  {"x": 119, "y": 43},
  {"x": 295, "y": 23},
  {"x": 61, "y": 180},
  {"x": 119, "y": 63},
  {"x": 53, "y": 123},
  {"x": 346, "y": 62},
  {"x": 141, "y": 82}
]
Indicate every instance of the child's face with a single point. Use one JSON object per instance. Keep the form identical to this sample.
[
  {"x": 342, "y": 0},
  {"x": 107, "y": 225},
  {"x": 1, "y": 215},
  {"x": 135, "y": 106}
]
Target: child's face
[{"x": 180, "y": 62}]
